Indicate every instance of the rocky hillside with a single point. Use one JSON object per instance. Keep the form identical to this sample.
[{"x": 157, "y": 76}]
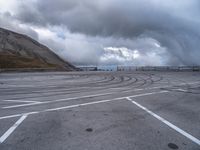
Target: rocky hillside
[{"x": 20, "y": 51}]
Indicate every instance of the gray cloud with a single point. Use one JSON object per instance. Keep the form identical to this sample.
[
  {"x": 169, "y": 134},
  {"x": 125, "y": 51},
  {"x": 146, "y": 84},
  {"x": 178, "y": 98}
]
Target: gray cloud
[
  {"x": 88, "y": 27},
  {"x": 7, "y": 21}
]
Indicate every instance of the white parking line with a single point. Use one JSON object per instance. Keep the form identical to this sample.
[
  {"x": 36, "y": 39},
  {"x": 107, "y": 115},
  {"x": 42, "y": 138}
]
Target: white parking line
[
  {"x": 102, "y": 101},
  {"x": 20, "y": 101},
  {"x": 87, "y": 96},
  {"x": 181, "y": 90},
  {"x": 58, "y": 100},
  {"x": 18, "y": 115},
  {"x": 11, "y": 129},
  {"x": 189, "y": 136},
  {"x": 78, "y": 105}
]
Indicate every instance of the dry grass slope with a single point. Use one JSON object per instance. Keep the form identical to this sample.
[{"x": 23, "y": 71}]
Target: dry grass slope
[
  {"x": 20, "y": 51},
  {"x": 14, "y": 61}
]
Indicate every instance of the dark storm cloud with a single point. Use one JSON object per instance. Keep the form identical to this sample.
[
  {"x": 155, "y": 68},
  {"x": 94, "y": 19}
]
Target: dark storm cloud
[
  {"x": 8, "y": 21},
  {"x": 111, "y": 17},
  {"x": 174, "y": 24}
]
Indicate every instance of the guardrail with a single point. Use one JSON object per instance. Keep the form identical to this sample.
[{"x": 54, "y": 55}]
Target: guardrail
[{"x": 158, "y": 68}]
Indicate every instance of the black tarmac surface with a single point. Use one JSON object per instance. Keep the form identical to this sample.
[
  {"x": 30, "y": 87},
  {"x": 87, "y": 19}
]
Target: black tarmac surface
[{"x": 100, "y": 111}]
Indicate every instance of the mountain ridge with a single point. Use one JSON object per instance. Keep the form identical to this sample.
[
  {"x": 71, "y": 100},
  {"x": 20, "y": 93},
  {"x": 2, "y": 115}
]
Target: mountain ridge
[{"x": 21, "y": 51}]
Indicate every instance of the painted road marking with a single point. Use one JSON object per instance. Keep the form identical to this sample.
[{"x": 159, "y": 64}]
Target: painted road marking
[
  {"x": 18, "y": 115},
  {"x": 87, "y": 96},
  {"x": 187, "y": 135},
  {"x": 59, "y": 100},
  {"x": 102, "y": 101},
  {"x": 181, "y": 90},
  {"x": 12, "y": 129},
  {"x": 21, "y": 101},
  {"x": 78, "y": 105}
]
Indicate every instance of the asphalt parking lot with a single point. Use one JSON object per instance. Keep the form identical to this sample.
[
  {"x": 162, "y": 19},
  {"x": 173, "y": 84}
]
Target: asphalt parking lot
[{"x": 100, "y": 111}]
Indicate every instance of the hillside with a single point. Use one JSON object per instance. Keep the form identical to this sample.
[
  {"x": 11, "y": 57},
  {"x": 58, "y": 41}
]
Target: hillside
[{"x": 20, "y": 51}]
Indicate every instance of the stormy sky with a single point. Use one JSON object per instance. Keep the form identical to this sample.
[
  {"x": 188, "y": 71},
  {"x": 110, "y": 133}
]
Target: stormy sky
[{"x": 102, "y": 32}]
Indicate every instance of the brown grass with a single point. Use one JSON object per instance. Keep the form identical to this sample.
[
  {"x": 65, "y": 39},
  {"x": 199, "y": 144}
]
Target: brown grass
[{"x": 14, "y": 61}]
